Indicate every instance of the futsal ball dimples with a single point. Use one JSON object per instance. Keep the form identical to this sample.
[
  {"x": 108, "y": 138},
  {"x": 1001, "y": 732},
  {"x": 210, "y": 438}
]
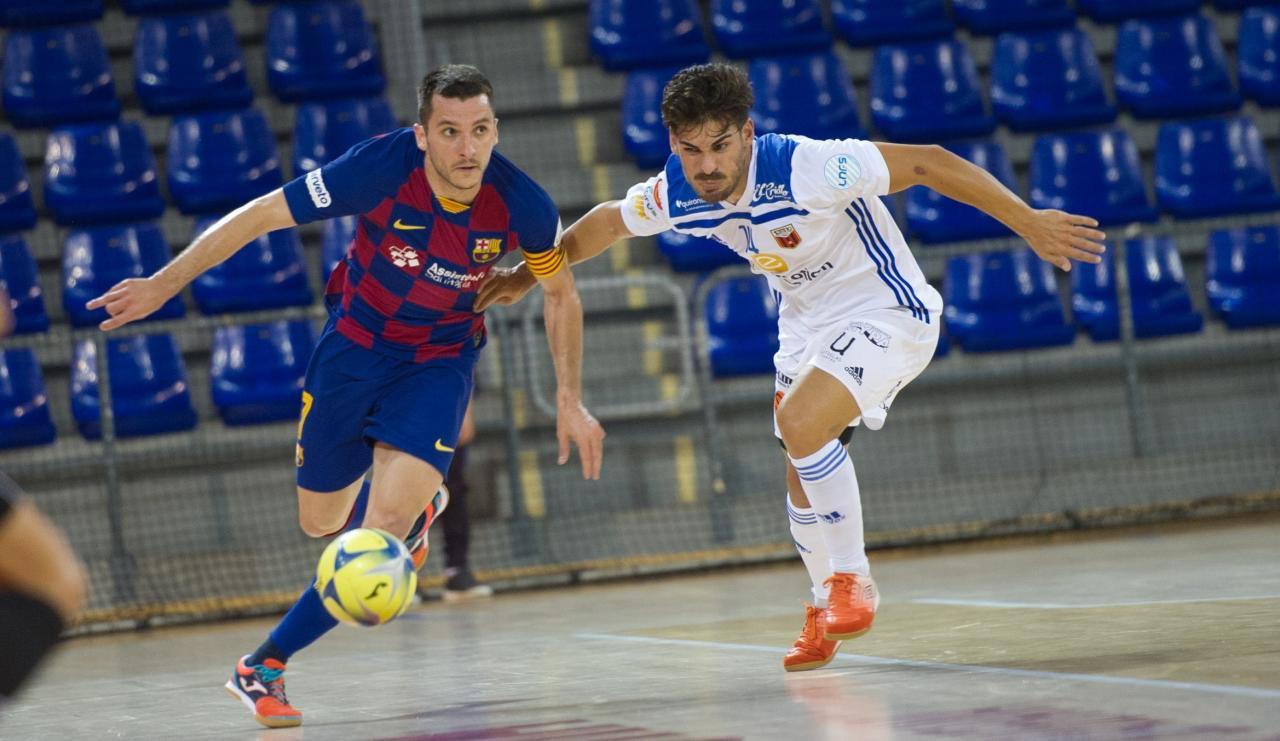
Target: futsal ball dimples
[{"x": 366, "y": 577}]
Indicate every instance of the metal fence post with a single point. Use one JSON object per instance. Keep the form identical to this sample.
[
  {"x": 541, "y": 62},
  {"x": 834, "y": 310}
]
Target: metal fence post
[
  {"x": 123, "y": 568},
  {"x": 1138, "y": 422},
  {"x": 523, "y": 541}
]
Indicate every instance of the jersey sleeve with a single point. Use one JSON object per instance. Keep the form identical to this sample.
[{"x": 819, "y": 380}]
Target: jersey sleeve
[
  {"x": 832, "y": 172},
  {"x": 355, "y": 182},
  {"x": 539, "y": 228},
  {"x": 644, "y": 209}
]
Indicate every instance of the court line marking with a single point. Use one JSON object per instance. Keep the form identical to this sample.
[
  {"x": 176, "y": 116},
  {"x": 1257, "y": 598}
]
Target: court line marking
[
  {"x": 1064, "y": 606},
  {"x": 1220, "y": 689}
]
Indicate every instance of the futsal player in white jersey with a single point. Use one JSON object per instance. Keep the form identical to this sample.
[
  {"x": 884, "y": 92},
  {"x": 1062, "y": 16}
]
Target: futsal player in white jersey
[{"x": 857, "y": 320}]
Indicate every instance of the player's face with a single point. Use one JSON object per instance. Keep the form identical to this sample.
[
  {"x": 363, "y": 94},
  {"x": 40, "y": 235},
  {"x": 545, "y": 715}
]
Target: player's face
[
  {"x": 458, "y": 140},
  {"x": 715, "y": 158}
]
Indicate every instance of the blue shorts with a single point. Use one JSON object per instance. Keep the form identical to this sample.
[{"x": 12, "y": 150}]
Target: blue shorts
[{"x": 353, "y": 397}]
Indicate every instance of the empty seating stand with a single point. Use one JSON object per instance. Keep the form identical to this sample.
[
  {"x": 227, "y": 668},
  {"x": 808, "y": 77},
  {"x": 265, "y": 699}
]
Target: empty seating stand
[
  {"x": 19, "y": 278},
  {"x": 27, "y": 13},
  {"x": 689, "y": 254},
  {"x": 871, "y": 22},
  {"x": 188, "y": 62},
  {"x": 24, "y": 403},
  {"x": 1113, "y": 11},
  {"x": 935, "y": 218},
  {"x": 322, "y": 50},
  {"x": 57, "y": 75},
  {"x": 1258, "y": 54},
  {"x": 97, "y": 258},
  {"x": 267, "y": 273},
  {"x": 749, "y": 28},
  {"x": 994, "y": 16},
  {"x": 927, "y": 90},
  {"x": 17, "y": 211},
  {"x": 1213, "y": 167},
  {"x": 643, "y": 134},
  {"x": 324, "y": 130},
  {"x": 157, "y": 7},
  {"x": 1048, "y": 79},
  {"x": 1242, "y": 268},
  {"x": 742, "y": 325},
  {"x": 149, "y": 389},
  {"x": 257, "y": 371},
  {"x": 807, "y": 93},
  {"x": 1094, "y": 173},
  {"x": 100, "y": 173},
  {"x": 220, "y": 159},
  {"x": 1160, "y": 301},
  {"x": 626, "y": 35},
  {"x": 1172, "y": 66},
  {"x": 1003, "y": 301}
]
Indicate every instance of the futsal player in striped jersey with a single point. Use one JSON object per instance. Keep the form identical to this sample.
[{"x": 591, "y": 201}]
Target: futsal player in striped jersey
[
  {"x": 391, "y": 375},
  {"x": 857, "y": 320}
]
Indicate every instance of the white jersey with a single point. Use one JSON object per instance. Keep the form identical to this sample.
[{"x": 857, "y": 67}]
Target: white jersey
[{"x": 811, "y": 221}]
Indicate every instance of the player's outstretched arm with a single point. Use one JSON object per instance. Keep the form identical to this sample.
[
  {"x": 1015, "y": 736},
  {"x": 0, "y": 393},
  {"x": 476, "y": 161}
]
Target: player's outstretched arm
[
  {"x": 588, "y": 237},
  {"x": 136, "y": 298},
  {"x": 574, "y": 424},
  {"x": 1056, "y": 236}
]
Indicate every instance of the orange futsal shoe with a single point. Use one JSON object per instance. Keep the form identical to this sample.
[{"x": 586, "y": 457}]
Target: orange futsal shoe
[
  {"x": 416, "y": 540},
  {"x": 261, "y": 689},
  {"x": 811, "y": 650},
  {"x": 851, "y": 606}
]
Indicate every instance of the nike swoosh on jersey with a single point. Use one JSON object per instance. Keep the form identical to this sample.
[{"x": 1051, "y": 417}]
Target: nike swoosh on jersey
[
  {"x": 440, "y": 446},
  {"x": 406, "y": 227}
]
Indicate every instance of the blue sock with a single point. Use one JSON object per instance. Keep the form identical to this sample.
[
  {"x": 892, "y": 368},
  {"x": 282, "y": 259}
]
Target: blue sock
[{"x": 307, "y": 620}]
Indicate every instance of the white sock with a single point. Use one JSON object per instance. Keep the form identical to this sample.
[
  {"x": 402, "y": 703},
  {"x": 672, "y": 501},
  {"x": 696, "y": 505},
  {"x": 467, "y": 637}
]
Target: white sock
[
  {"x": 832, "y": 489},
  {"x": 813, "y": 548}
]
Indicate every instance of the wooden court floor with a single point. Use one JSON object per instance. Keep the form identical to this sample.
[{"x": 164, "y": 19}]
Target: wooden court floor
[{"x": 1160, "y": 633}]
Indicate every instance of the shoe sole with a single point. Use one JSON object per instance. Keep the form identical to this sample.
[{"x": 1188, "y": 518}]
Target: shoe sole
[
  {"x": 232, "y": 690},
  {"x": 812, "y": 664},
  {"x": 846, "y": 636}
]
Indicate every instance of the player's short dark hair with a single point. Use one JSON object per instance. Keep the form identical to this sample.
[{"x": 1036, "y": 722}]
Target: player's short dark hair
[
  {"x": 703, "y": 93},
  {"x": 457, "y": 81}
]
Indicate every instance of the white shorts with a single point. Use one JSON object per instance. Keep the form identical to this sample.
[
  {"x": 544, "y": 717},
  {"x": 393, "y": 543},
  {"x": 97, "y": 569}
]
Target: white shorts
[{"x": 874, "y": 355}]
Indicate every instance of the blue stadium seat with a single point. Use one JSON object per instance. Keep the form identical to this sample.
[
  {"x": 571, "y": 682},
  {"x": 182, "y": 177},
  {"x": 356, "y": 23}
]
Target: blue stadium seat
[
  {"x": 322, "y": 50},
  {"x": 629, "y": 35},
  {"x": 1113, "y": 11},
  {"x": 18, "y": 13},
  {"x": 742, "y": 324},
  {"x": 994, "y": 16},
  {"x": 944, "y": 346},
  {"x": 1212, "y": 167},
  {"x": 689, "y": 254},
  {"x": 257, "y": 370},
  {"x": 336, "y": 239},
  {"x": 935, "y": 218},
  {"x": 807, "y": 93},
  {"x": 20, "y": 278},
  {"x": 1172, "y": 67},
  {"x": 324, "y": 130},
  {"x": 643, "y": 134},
  {"x": 1003, "y": 301},
  {"x": 149, "y": 389},
  {"x": 1258, "y": 55},
  {"x": 57, "y": 75},
  {"x": 24, "y": 403},
  {"x": 17, "y": 211},
  {"x": 220, "y": 159},
  {"x": 189, "y": 62},
  {"x": 873, "y": 22},
  {"x": 1157, "y": 290},
  {"x": 927, "y": 90},
  {"x": 267, "y": 273},
  {"x": 1093, "y": 173},
  {"x": 158, "y": 7},
  {"x": 1241, "y": 4},
  {"x": 749, "y": 28},
  {"x": 100, "y": 173},
  {"x": 95, "y": 259},
  {"x": 1047, "y": 80},
  {"x": 1242, "y": 271}
]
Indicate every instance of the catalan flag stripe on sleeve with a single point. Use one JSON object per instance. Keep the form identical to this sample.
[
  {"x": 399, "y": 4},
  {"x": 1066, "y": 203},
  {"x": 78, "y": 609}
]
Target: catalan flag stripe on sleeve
[{"x": 545, "y": 264}]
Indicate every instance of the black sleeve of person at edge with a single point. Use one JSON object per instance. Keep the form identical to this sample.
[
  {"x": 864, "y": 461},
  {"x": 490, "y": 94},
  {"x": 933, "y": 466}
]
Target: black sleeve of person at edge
[{"x": 28, "y": 626}]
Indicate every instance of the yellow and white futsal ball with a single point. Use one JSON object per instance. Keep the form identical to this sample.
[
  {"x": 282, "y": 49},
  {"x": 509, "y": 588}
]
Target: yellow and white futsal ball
[{"x": 366, "y": 577}]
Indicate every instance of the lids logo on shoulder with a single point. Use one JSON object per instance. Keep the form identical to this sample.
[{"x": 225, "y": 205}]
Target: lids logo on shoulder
[{"x": 842, "y": 172}]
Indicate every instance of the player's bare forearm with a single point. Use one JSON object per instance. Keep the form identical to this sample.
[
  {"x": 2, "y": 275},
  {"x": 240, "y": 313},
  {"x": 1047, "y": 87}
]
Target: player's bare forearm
[
  {"x": 562, "y": 313},
  {"x": 1057, "y": 237}
]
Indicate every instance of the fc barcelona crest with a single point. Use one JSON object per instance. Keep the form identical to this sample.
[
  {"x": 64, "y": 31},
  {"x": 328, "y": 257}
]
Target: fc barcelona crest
[
  {"x": 786, "y": 236},
  {"x": 486, "y": 249}
]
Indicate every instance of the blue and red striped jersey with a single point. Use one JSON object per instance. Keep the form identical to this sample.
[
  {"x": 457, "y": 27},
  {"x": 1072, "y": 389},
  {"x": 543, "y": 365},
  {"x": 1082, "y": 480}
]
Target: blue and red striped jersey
[{"x": 407, "y": 285}]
